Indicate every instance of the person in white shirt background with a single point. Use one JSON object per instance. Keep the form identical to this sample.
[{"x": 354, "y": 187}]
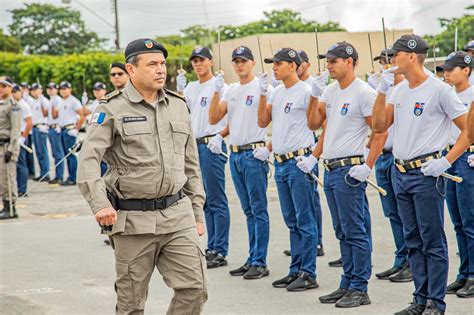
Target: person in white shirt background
[
  {"x": 39, "y": 109},
  {"x": 30, "y": 159},
  {"x": 57, "y": 148},
  {"x": 469, "y": 48}
]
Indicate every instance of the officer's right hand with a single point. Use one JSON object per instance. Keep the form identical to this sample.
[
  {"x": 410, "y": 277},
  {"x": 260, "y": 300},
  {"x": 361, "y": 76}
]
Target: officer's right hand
[
  {"x": 319, "y": 84},
  {"x": 106, "y": 216},
  {"x": 219, "y": 82},
  {"x": 470, "y": 160},
  {"x": 8, "y": 156},
  {"x": 181, "y": 81},
  {"x": 200, "y": 228}
]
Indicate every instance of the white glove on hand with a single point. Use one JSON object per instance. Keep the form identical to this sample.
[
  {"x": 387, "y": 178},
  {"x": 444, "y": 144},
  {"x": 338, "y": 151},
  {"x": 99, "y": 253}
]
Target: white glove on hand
[
  {"x": 181, "y": 81},
  {"x": 219, "y": 82},
  {"x": 366, "y": 153},
  {"x": 273, "y": 80},
  {"x": 470, "y": 160},
  {"x": 387, "y": 80},
  {"x": 360, "y": 172},
  {"x": 261, "y": 153},
  {"x": 73, "y": 132},
  {"x": 57, "y": 129},
  {"x": 306, "y": 163},
  {"x": 43, "y": 128},
  {"x": 319, "y": 84},
  {"x": 215, "y": 145},
  {"x": 374, "y": 80},
  {"x": 263, "y": 83},
  {"x": 21, "y": 140},
  {"x": 435, "y": 167}
]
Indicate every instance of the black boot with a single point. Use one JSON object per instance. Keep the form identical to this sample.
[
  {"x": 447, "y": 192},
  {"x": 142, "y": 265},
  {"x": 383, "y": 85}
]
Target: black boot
[
  {"x": 5, "y": 213},
  {"x": 467, "y": 291}
]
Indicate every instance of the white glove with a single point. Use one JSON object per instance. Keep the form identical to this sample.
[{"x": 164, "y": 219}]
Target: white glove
[
  {"x": 274, "y": 81},
  {"x": 215, "y": 145},
  {"x": 181, "y": 81},
  {"x": 261, "y": 153},
  {"x": 306, "y": 163},
  {"x": 43, "y": 128},
  {"x": 387, "y": 80},
  {"x": 360, "y": 172},
  {"x": 263, "y": 83},
  {"x": 21, "y": 140},
  {"x": 319, "y": 84},
  {"x": 57, "y": 129},
  {"x": 219, "y": 82},
  {"x": 73, "y": 132},
  {"x": 374, "y": 80},
  {"x": 470, "y": 160},
  {"x": 366, "y": 153},
  {"x": 435, "y": 167}
]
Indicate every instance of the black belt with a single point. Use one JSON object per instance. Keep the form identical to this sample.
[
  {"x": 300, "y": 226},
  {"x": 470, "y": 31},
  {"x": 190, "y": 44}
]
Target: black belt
[
  {"x": 149, "y": 204},
  {"x": 280, "y": 158},
  {"x": 386, "y": 151},
  {"x": 469, "y": 150},
  {"x": 332, "y": 164},
  {"x": 246, "y": 147},
  {"x": 4, "y": 141},
  {"x": 36, "y": 126},
  {"x": 70, "y": 126},
  {"x": 54, "y": 126},
  {"x": 404, "y": 165},
  {"x": 204, "y": 140}
]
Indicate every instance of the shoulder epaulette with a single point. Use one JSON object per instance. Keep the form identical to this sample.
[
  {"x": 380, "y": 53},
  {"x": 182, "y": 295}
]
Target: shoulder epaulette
[
  {"x": 175, "y": 94},
  {"x": 110, "y": 96}
]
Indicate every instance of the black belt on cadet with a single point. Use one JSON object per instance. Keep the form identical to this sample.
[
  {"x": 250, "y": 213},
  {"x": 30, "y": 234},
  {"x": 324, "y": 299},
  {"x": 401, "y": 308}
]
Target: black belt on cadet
[
  {"x": 246, "y": 147},
  {"x": 4, "y": 141},
  {"x": 332, "y": 164},
  {"x": 280, "y": 158},
  {"x": 204, "y": 140},
  {"x": 54, "y": 126},
  {"x": 469, "y": 150},
  {"x": 149, "y": 204},
  {"x": 37, "y": 125},
  {"x": 386, "y": 151},
  {"x": 69, "y": 127},
  {"x": 404, "y": 165}
]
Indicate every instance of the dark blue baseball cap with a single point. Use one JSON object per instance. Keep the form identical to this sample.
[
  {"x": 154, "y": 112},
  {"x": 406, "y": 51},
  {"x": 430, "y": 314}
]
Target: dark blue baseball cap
[
  {"x": 285, "y": 54},
  {"x": 456, "y": 59},
  {"x": 411, "y": 43},
  {"x": 242, "y": 52},
  {"x": 202, "y": 52}
]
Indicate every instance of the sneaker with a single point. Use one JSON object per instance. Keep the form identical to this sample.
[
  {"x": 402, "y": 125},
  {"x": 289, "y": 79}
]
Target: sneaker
[
  {"x": 287, "y": 252},
  {"x": 210, "y": 254},
  {"x": 256, "y": 272},
  {"x": 46, "y": 179},
  {"x": 335, "y": 263},
  {"x": 68, "y": 183},
  {"x": 467, "y": 290},
  {"x": 302, "y": 283},
  {"x": 431, "y": 309},
  {"x": 285, "y": 281},
  {"x": 413, "y": 309},
  {"x": 453, "y": 287},
  {"x": 320, "y": 250},
  {"x": 384, "y": 275},
  {"x": 403, "y": 275},
  {"x": 218, "y": 261},
  {"x": 353, "y": 298},
  {"x": 54, "y": 181},
  {"x": 22, "y": 194},
  {"x": 240, "y": 271},
  {"x": 333, "y": 297}
]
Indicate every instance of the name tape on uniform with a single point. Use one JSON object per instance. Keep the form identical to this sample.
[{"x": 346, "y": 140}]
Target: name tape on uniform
[{"x": 134, "y": 119}]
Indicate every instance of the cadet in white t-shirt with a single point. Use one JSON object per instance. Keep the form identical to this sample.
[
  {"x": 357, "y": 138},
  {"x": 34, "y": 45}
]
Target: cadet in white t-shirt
[
  {"x": 39, "y": 110},
  {"x": 249, "y": 155},
  {"x": 421, "y": 109},
  {"x": 469, "y": 48},
  {"x": 292, "y": 138},
  {"x": 198, "y": 95},
  {"x": 57, "y": 148},
  {"x": 460, "y": 196}
]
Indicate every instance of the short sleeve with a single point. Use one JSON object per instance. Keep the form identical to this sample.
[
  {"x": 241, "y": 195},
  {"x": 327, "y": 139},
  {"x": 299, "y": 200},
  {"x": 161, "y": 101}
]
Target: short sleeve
[
  {"x": 451, "y": 104},
  {"x": 368, "y": 102},
  {"x": 77, "y": 105}
]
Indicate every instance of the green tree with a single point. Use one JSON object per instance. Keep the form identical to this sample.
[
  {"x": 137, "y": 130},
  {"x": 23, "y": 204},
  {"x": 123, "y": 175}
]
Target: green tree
[
  {"x": 52, "y": 30},
  {"x": 9, "y": 43}
]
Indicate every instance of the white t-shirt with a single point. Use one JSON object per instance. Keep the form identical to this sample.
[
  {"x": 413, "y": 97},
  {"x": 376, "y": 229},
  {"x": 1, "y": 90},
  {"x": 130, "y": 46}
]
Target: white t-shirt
[
  {"x": 37, "y": 106},
  {"x": 93, "y": 106},
  {"x": 309, "y": 80},
  {"x": 67, "y": 112},
  {"x": 471, "y": 78},
  {"x": 346, "y": 110},
  {"x": 290, "y": 124},
  {"x": 423, "y": 117},
  {"x": 55, "y": 101},
  {"x": 466, "y": 97},
  {"x": 242, "y": 109},
  {"x": 25, "y": 113},
  {"x": 198, "y": 98}
]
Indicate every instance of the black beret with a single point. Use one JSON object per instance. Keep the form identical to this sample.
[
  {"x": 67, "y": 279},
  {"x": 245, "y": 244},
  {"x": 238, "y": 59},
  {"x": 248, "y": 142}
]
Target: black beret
[
  {"x": 118, "y": 65},
  {"x": 144, "y": 46}
]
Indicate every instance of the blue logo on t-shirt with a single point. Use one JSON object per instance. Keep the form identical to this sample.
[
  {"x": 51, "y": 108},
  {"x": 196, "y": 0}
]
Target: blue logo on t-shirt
[
  {"x": 418, "y": 110},
  {"x": 249, "y": 100},
  {"x": 344, "y": 109},
  {"x": 203, "y": 101},
  {"x": 288, "y": 107}
]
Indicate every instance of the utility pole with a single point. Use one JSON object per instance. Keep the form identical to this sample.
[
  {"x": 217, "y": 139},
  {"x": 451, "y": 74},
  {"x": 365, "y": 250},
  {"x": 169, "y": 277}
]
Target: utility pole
[{"x": 117, "y": 33}]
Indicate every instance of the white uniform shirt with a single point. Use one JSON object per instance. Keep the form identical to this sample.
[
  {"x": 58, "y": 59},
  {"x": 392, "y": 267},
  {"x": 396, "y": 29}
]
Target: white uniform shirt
[
  {"x": 423, "y": 117},
  {"x": 471, "y": 79},
  {"x": 93, "y": 106},
  {"x": 198, "y": 98},
  {"x": 466, "y": 97},
  {"x": 290, "y": 125},
  {"x": 242, "y": 109},
  {"x": 346, "y": 110},
  {"x": 309, "y": 80},
  {"x": 25, "y": 113},
  {"x": 55, "y": 102},
  {"x": 67, "y": 112},
  {"x": 28, "y": 99},
  {"x": 37, "y": 106}
]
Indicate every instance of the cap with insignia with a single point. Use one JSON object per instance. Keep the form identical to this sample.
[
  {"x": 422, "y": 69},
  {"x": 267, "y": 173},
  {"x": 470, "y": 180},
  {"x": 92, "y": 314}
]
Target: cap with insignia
[
  {"x": 36, "y": 86},
  {"x": 411, "y": 43},
  {"x": 456, "y": 59},
  {"x": 144, "y": 46},
  {"x": 25, "y": 85},
  {"x": 242, "y": 52},
  {"x": 469, "y": 45},
  {"x": 52, "y": 85},
  {"x": 303, "y": 55},
  {"x": 99, "y": 86},
  {"x": 341, "y": 50},
  {"x": 16, "y": 88},
  {"x": 65, "y": 85},
  {"x": 6, "y": 81},
  {"x": 285, "y": 54},
  {"x": 202, "y": 52},
  {"x": 389, "y": 53}
]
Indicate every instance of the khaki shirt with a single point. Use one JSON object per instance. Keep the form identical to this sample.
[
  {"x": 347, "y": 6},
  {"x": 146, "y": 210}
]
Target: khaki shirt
[
  {"x": 10, "y": 124},
  {"x": 151, "y": 153}
]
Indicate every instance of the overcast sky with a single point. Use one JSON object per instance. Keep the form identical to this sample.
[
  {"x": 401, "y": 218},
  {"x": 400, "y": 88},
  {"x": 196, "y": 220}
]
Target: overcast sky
[{"x": 147, "y": 18}]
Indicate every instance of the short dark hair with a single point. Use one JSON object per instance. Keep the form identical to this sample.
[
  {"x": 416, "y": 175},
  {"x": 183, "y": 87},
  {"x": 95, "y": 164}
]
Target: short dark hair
[
  {"x": 133, "y": 60},
  {"x": 421, "y": 58}
]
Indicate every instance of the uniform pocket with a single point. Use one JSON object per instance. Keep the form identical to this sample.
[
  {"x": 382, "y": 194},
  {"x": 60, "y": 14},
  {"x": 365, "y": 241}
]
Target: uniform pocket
[
  {"x": 181, "y": 132},
  {"x": 139, "y": 138},
  {"x": 137, "y": 189}
]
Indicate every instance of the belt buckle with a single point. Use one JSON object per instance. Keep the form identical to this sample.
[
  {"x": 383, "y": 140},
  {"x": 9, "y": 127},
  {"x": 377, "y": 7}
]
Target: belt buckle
[
  {"x": 400, "y": 168},
  {"x": 159, "y": 203},
  {"x": 278, "y": 158}
]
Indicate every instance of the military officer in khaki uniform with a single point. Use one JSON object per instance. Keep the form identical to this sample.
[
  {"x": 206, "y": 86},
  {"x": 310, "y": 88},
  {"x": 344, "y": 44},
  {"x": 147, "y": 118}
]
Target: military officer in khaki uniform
[
  {"x": 144, "y": 134},
  {"x": 10, "y": 125}
]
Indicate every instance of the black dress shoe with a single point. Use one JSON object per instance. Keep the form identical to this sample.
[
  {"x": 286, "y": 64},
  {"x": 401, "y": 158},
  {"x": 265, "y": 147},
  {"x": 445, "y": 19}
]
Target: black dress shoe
[
  {"x": 285, "y": 281},
  {"x": 210, "y": 254},
  {"x": 431, "y": 309},
  {"x": 353, "y": 298},
  {"x": 54, "y": 181},
  {"x": 333, "y": 297},
  {"x": 413, "y": 309},
  {"x": 107, "y": 242},
  {"x": 287, "y": 252},
  {"x": 387, "y": 273},
  {"x": 467, "y": 291},
  {"x": 240, "y": 271},
  {"x": 46, "y": 179},
  {"x": 22, "y": 194},
  {"x": 335, "y": 263},
  {"x": 453, "y": 287},
  {"x": 218, "y": 261},
  {"x": 403, "y": 275},
  {"x": 302, "y": 283},
  {"x": 67, "y": 183},
  {"x": 320, "y": 250},
  {"x": 256, "y": 272}
]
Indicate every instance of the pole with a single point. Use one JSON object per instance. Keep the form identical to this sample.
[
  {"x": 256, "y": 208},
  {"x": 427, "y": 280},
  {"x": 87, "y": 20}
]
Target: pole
[
  {"x": 317, "y": 49},
  {"x": 219, "y": 46},
  {"x": 260, "y": 52},
  {"x": 434, "y": 55},
  {"x": 117, "y": 33},
  {"x": 371, "y": 54},
  {"x": 456, "y": 39},
  {"x": 385, "y": 41}
]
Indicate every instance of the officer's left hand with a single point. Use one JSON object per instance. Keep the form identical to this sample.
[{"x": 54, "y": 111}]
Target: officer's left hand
[
  {"x": 215, "y": 144},
  {"x": 200, "y": 228},
  {"x": 360, "y": 172},
  {"x": 306, "y": 163},
  {"x": 470, "y": 160},
  {"x": 435, "y": 167},
  {"x": 219, "y": 82},
  {"x": 8, "y": 156}
]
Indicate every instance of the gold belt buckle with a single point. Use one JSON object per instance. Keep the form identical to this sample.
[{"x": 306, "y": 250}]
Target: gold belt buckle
[
  {"x": 400, "y": 168},
  {"x": 278, "y": 158}
]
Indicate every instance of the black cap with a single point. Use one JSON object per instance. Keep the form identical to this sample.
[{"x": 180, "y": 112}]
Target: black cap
[
  {"x": 411, "y": 43},
  {"x": 144, "y": 46},
  {"x": 35, "y": 86},
  {"x": 469, "y": 45},
  {"x": 285, "y": 54},
  {"x": 242, "y": 52},
  {"x": 341, "y": 50},
  {"x": 99, "y": 86},
  {"x": 25, "y": 85},
  {"x": 303, "y": 55},
  {"x": 382, "y": 55},
  {"x": 65, "y": 85},
  {"x": 6, "y": 80},
  {"x": 16, "y": 88},
  {"x": 52, "y": 85},
  {"x": 118, "y": 65},
  {"x": 202, "y": 52},
  {"x": 456, "y": 59}
]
